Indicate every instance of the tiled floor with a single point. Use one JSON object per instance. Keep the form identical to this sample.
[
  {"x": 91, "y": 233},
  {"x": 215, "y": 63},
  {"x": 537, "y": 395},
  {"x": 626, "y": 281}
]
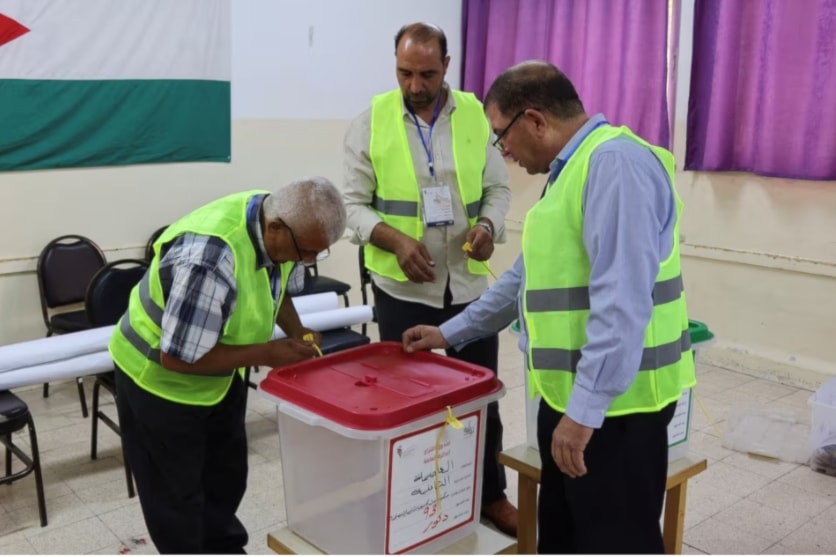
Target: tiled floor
[{"x": 741, "y": 504}]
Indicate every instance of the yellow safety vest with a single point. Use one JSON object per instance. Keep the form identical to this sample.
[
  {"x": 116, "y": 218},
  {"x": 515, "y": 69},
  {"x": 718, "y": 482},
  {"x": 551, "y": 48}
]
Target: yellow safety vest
[
  {"x": 135, "y": 344},
  {"x": 556, "y": 297},
  {"x": 397, "y": 198}
]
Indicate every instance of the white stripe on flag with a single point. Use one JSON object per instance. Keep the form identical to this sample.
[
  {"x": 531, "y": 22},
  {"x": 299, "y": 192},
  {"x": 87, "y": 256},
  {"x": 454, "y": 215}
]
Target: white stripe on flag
[{"x": 118, "y": 39}]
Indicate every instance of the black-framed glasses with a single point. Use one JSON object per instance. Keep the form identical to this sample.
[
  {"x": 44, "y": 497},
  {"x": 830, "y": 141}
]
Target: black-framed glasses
[
  {"x": 318, "y": 256},
  {"x": 498, "y": 141}
]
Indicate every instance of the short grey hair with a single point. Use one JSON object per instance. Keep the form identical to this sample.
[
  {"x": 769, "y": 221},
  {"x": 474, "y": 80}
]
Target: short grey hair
[{"x": 311, "y": 201}]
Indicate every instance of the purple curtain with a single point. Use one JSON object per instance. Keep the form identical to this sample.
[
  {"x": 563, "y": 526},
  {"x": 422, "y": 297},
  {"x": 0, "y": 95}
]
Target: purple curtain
[
  {"x": 614, "y": 51},
  {"x": 763, "y": 88}
]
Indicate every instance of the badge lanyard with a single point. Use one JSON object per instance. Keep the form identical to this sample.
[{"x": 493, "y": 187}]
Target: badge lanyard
[
  {"x": 428, "y": 142},
  {"x": 252, "y": 216}
]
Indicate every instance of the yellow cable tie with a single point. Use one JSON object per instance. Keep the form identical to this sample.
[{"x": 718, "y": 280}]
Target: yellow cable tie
[
  {"x": 455, "y": 424},
  {"x": 309, "y": 338},
  {"x": 468, "y": 248},
  {"x": 707, "y": 415},
  {"x": 452, "y": 420}
]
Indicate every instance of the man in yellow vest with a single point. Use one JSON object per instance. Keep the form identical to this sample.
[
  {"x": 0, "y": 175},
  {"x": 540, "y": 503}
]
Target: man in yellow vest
[
  {"x": 421, "y": 180},
  {"x": 206, "y": 309},
  {"x": 598, "y": 290}
]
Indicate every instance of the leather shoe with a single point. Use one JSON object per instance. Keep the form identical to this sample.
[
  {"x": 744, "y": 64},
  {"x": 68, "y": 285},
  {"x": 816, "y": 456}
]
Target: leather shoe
[{"x": 503, "y": 515}]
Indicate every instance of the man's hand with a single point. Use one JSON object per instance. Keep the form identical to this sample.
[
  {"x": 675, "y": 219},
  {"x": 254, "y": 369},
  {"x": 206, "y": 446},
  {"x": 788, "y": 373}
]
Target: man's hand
[
  {"x": 415, "y": 260},
  {"x": 287, "y": 351},
  {"x": 569, "y": 440},
  {"x": 423, "y": 337},
  {"x": 481, "y": 243}
]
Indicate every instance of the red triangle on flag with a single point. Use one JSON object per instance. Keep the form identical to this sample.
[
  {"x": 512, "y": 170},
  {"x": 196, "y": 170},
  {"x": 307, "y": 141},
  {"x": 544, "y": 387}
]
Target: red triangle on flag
[{"x": 10, "y": 29}]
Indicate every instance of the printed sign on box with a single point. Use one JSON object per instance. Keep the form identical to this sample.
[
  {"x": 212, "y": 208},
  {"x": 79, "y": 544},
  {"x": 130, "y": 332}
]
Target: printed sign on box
[{"x": 432, "y": 483}]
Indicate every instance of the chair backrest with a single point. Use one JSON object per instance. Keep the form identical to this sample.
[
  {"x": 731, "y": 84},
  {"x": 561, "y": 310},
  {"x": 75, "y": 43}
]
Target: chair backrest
[
  {"x": 149, "y": 247},
  {"x": 110, "y": 289},
  {"x": 65, "y": 267}
]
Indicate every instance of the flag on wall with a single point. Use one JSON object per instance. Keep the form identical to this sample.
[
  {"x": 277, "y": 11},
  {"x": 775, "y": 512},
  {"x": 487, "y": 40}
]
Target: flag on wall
[{"x": 112, "y": 82}]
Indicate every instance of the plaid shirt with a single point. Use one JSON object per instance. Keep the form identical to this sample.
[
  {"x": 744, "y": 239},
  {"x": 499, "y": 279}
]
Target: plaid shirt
[{"x": 198, "y": 283}]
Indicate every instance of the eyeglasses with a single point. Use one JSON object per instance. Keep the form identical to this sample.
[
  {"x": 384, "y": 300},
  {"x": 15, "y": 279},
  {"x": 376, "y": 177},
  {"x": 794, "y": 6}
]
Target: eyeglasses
[
  {"x": 498, "y": 142},
  {"x": 317, "y": 256}
]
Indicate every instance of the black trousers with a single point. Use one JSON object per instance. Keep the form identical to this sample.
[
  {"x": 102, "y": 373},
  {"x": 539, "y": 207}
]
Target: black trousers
[
  {"x": 616, "y": 507},
  {"x": 396, "y": 316},
  {"x": 190, "y": 467}
]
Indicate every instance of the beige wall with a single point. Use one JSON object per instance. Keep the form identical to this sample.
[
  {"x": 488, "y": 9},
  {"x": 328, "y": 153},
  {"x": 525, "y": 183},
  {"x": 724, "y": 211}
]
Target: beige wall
[{"x": 760, "y": 264}]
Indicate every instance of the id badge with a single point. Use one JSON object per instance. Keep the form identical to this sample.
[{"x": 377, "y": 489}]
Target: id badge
[{"x": 437, "y": 205}]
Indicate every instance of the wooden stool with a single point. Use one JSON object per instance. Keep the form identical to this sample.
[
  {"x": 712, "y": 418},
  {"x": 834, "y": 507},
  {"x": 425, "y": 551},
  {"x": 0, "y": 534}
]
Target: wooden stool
[
  {"x": 484, "y": 541},
  {"x": 526, "y": 461}
]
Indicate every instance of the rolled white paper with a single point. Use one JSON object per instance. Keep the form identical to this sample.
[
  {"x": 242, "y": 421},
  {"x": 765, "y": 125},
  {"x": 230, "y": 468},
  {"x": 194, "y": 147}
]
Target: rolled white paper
[
  {"x": 54, "y": 349},
  {"x": 333, "y": 319},
  {"x": 89, "y": 364},
  {"x": 316, "y": 302},
  {"x": 60, "y": 348},
  {"x": 85, "y": 352},
  {"x": 100, "y": 361}
]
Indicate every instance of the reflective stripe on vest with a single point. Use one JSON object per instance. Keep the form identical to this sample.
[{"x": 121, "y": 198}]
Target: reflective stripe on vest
[
  {"x": 411, "y": 208},
  {"x": 154, "y": 312},
  {"x": 559, "y": 359},
  {"x": 135, "y": 344},
  {"x": 577, "y": 297},
  {"x": 556, "y": 300},
  {"x": 397, "y": 194}
]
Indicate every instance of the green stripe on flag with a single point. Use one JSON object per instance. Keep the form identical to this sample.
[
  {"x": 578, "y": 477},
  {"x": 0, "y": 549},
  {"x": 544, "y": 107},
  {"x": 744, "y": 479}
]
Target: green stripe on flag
[{"x": 82, "y": 123}]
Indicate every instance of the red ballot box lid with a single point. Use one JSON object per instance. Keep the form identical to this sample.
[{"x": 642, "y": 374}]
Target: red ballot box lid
[{"x": 379, "y": 386}]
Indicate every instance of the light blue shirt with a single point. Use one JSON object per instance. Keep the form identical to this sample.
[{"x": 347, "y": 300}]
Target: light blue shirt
[{"x": 629, "y": 218}]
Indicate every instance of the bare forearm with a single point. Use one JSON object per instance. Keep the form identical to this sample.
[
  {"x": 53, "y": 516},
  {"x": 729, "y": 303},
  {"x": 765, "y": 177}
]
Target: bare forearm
[
  {"x": 222, "y": 358},
  {"x": 386, "y": 237},
  {"x": 288, "y": 318}
]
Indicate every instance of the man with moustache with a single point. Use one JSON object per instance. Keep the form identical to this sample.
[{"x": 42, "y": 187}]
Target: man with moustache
[{"x": 421, "y": 179}]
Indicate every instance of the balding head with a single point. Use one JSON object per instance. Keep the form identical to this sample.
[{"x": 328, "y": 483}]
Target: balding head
[
  {"x": 423, "y": 33},
  {"x": 535, "y": 84}
]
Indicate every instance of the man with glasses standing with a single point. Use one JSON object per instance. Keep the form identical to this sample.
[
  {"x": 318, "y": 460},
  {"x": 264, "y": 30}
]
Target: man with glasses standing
[
  {"x": 219, "y": 281},
  {"x": 421, "y": 180},
  {"x": 598, "y": 290}
]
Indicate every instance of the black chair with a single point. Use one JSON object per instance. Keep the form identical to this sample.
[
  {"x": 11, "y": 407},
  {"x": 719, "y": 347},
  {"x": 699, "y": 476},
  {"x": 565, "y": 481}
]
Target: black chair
[
  {"x": 65, "y": 267},
  {"x": 14, "y": 416},
  {"x": 342, "y": 339},
  {"x": 106, "y": 301},
  {"x": 365, "y": 280},
  {"x": 317, "y": 284},
  {"x": 149, "y": 247}
]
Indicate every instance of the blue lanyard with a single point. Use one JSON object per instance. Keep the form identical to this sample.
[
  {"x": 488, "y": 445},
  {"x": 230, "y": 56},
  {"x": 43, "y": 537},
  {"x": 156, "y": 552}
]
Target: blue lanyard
[
  {"x": 428, "y": 142},
  {"x": 561, "y": 164},
  {"x": 253, "y": 217}
]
